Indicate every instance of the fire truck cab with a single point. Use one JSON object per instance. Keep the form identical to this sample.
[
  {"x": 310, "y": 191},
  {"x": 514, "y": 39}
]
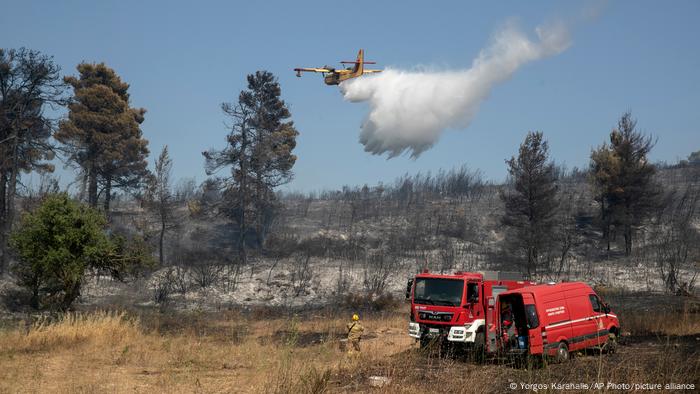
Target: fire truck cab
[
  {"x": 457, "y": 308},
  {"x": 554, "y": 320}
]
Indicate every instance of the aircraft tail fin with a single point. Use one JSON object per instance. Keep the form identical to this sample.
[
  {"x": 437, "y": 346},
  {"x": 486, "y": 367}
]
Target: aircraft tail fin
[{"x": 360, "y": 62}]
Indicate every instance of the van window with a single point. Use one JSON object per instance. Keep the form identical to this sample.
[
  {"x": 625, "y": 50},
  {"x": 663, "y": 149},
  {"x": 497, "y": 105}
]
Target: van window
[
  {"x": 531, "y": 315},
  {"x": 594, "y": 303}
]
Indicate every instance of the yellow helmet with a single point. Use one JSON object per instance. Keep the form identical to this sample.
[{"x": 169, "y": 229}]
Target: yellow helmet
[{"x": 355, "y": 317}]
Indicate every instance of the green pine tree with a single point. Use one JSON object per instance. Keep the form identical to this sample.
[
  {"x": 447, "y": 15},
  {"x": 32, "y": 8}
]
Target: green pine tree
[
  {"x": 102, "y": 134},
  {"x": 531, "y": 206},
  {"x": 624, "y": 178},
  {"x": 29, "y": 82},
  {"x": 259, "y": 155}
]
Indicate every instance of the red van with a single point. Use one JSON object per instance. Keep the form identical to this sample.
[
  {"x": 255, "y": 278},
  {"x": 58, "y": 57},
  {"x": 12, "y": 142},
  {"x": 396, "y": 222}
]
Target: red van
[{"x": 554, "y": 320}]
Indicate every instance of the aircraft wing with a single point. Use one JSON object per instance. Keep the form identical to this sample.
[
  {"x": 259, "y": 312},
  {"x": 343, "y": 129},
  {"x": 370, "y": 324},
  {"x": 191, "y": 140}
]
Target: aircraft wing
[{"x": 313, "y": 70}]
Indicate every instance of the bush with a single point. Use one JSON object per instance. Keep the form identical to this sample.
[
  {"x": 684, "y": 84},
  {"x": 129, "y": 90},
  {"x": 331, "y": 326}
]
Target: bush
[
  {"x": 61, "y": 240},
  {"x": 314, "y": 381},
  {"x": 377, "y": 268},
  {"x": 162, "y": 288},
  {"x": 301, "y": 273},
  {"x": 366, "y": 302}
]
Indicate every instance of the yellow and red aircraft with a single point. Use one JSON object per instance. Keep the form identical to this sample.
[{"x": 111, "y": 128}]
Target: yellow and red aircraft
[{"x": 331, "y": 76}]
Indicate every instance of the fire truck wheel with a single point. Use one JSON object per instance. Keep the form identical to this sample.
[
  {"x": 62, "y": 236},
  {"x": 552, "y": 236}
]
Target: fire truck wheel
[
  {"x": 479, "y": 349},
  {"x": 562, "y": 353}
]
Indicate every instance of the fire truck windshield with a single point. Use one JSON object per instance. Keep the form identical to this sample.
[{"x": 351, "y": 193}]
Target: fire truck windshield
[{"x": 438, "y": 291}]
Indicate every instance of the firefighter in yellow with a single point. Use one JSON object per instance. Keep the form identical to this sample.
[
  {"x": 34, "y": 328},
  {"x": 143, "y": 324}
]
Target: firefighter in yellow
[{"x": 355, "y": 331}]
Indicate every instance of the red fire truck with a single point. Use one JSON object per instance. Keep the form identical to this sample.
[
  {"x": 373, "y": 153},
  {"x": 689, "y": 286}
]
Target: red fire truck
[
  {"x": 554, "y": 320},
  {"x": 457, "y": 309}
]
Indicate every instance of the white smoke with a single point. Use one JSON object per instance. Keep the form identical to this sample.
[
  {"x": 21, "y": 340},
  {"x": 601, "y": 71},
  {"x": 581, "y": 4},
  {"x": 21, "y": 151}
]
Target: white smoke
[{"x": 410, "y": 109}]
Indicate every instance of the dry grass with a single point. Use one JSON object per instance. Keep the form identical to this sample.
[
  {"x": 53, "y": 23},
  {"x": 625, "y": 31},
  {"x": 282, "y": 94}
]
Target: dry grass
[
  {"x": 99, "y": 329},
  {"x": 262, "y": 353},
  {"x": 113, "y": 352},
  {"x": 662, "y": 322}
]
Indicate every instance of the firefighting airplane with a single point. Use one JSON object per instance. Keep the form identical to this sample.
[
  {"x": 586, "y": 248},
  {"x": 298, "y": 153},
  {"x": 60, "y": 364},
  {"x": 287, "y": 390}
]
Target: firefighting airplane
[{"x": 331, "y": 76}]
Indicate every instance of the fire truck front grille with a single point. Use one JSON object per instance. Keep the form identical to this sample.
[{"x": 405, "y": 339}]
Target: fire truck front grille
[{"x": 436, "y": 316}]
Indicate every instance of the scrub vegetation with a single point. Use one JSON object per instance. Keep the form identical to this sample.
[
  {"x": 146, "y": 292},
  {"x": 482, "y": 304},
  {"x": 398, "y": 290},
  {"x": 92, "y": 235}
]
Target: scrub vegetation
[{"x": 128, "y": 280}]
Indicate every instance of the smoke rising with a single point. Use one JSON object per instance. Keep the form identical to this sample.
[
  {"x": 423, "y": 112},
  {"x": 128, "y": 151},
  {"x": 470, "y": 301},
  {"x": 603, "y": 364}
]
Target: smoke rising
[{"x": 410, "y": 109}]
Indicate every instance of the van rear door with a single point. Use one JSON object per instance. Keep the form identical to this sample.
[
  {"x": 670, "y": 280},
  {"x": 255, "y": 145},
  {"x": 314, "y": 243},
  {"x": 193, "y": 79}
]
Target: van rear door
[{"x": 534, "y": 330}]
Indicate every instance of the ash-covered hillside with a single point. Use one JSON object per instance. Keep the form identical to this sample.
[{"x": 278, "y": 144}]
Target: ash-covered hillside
[{"x": 364, "y": 242}]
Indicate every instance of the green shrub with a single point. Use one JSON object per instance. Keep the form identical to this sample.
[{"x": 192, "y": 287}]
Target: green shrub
[{"x": 59, "y": 241}]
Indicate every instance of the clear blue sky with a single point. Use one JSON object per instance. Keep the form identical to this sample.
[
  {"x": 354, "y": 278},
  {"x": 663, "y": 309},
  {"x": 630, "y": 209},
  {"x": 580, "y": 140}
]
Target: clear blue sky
[{"x": 183, "y": 59}]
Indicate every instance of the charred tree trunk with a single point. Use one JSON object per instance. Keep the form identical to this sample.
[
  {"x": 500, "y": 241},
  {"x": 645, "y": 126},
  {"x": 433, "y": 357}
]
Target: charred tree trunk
[
  {"x": 92, "y": 185},
  {"x": 260, "y": 208},
  {"x": 70, "y": 295},
  {"x": 628, "y": 228},
  {"x": 108, "y": 195},
  {"x": 9, "y": 201},
  {"x": 242, "y": 228},
  {"x": 162, "y": 236},
  {"x": 606, "y": 222},
  {"x": 3, "y": 216}
]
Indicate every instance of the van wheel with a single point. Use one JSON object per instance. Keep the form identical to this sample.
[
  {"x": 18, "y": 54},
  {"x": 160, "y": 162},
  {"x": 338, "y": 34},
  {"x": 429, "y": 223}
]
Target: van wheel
[{"x": 562, "y": 353}]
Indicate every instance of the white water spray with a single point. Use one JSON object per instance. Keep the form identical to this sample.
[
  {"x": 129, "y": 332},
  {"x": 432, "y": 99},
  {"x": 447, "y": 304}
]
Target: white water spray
[{"x": 410, "y": 109}]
